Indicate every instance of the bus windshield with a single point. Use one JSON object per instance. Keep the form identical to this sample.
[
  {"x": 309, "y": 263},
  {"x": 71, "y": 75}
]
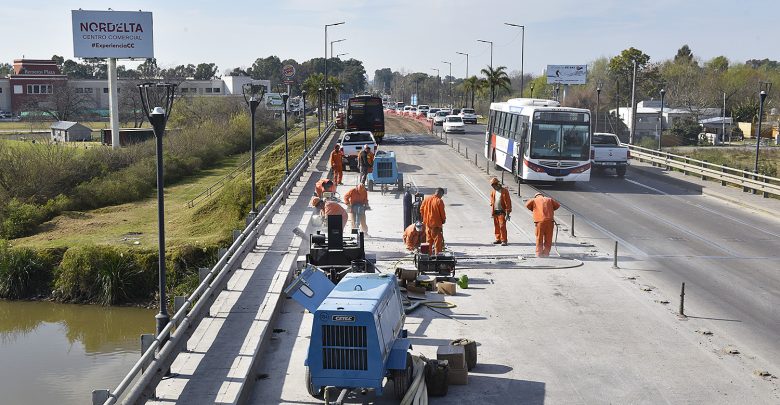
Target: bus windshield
[{"x": 560, "y": 141}]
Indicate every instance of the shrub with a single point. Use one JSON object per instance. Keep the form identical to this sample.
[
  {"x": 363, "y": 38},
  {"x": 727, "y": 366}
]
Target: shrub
[{"x": 23, "y": 272}]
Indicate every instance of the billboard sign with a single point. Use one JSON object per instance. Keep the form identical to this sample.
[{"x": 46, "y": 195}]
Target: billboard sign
[
  {"x": 112, "y": 34},
  {"x": 567, "y": 74},
  {"x": 274, "y": 101},
  {"x": 288, "y": 72}
]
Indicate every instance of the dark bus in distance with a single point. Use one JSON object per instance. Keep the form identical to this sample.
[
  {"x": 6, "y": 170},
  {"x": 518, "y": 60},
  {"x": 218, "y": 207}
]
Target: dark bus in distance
[{"x": 365, "y": 113}]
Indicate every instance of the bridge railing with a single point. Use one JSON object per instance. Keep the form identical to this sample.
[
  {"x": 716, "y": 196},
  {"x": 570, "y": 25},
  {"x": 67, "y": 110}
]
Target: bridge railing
[
  {"x": 158, "y": 357},
  {"x": 747, "y": 180}
]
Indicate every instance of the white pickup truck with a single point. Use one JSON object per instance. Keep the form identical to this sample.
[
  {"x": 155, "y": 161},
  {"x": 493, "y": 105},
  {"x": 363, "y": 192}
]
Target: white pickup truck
[
  {"x": 352, "y": 142},
  {"x": 606, "y": 152}
]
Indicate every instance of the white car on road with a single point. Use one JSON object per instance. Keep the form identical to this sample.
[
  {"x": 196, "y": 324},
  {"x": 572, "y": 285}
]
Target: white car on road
[
  {"x": 469, "y": 115},
  {"x": 440, "y": 117},
  {"x": 453, "y": 123}
]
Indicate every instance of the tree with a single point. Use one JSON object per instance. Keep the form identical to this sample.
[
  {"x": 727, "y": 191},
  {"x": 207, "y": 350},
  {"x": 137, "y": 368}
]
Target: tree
[
  {"x": 269, "y": 68},
  {"x": 5, "y": 69},
  {"x": 686, "y": 130},
  {"x": 205, "y": 71},
  {"x": 684, "y": 56},
  {"x": 148, "y": 69},
  {"x": 383, "y": 78},
  {"x": 471, "y": 85},
  {"x": 496, "y": 79},
  {"x": 718, "y": 63},
  {"x": 312, "y": 85},
  {"x": 63, "y": 104},
  {"x": 236, "y": 72}
]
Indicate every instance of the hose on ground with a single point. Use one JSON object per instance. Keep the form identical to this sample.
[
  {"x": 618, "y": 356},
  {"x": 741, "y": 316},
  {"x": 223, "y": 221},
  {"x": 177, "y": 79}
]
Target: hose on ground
[{"x": 417, "y": 394}]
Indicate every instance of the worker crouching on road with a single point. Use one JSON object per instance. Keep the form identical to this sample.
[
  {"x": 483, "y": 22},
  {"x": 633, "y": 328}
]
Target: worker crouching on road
[
  {"x": 324, "y": 185},
  {"x": 500, "y": 208},
  {"x": 434, "y": 217},
  {"x": 544, "y": 218},
  {"x": 337, "y": 164},
  {"x": 357, "y": 201},
  {"x": 327, "y": 208},
  {"x": 414, "y": 234}
]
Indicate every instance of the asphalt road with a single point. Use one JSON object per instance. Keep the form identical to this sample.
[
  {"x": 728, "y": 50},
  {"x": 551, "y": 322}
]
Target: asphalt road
[{"x": 669, "y": 232}]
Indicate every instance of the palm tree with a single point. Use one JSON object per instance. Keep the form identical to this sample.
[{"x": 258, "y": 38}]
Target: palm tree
[
  {"x": 312, "y": 85},
  {"x": 471, "y": 84},
  {"x": 336, "y": 86},
  {"x": 496, "y": 78}
]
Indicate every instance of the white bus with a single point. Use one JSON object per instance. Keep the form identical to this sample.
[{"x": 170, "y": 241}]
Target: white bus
[{"x": 538, "y": 140}]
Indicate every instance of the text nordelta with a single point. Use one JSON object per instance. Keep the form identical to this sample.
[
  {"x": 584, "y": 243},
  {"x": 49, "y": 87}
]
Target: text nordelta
[{"x": 110, "y": 27}]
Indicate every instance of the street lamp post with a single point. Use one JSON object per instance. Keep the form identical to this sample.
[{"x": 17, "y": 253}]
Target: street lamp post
[
  {"x": 522, "y": 56},
  {"x": 286, "y": 96},
  {"x": 253, "y": 95},
  {"x": 661, "y": 118},
  {"x": 438, "y": 86},
  {"x": 326, "y": 65},
  {"x": 341, "y": 54},
  {"x": 450, "y": 80},
  {"x": 598, "y": 109},
  {"x": 159, "y": 93},
  {"x": 333, "y": 42},
  {"x": 305, "y": 147},
  {"x": 532, "y": 90},
  {"x": 491, "y": 51},
  {"x": 467, "y": 63},
  {"x": 319, "y": 111},
  {"x": 765, "y": 87}
]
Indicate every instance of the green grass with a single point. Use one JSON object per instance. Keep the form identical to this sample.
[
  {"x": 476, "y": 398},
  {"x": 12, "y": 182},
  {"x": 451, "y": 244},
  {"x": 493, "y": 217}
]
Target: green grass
[{"x": 736, "y": 157}]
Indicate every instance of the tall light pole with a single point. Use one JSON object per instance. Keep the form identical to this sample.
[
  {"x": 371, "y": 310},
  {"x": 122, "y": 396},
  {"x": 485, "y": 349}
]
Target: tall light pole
[
  {"x": 491, "y": 51},
  {"x": 438, "y": 86},
  {"x": 598, "y": 109},
  {"x": 633, "y": 107},
  {"x": 333, "y": 42},
  {"x": 765, "y": 87},
  {"x": 660, "y": 134},
  {"x": 326, "y": 66},
  {"x": 285, "y": 97},
  {"x": 532, "y": 90},
  {"x": 305, "y": 147},
  {"x": 450, "y": 63},
  {"x": 467, "y": 63},
  {"x": 253, "y": 95},
  {"x": 319, "y": 111},
  {"x": 160, "y": 94},
  {"x": 522, "y": 56}
]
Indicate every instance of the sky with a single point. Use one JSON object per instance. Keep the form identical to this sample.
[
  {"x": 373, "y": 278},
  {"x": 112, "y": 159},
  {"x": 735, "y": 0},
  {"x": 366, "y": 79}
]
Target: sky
[{"x": 414, "y": 36}]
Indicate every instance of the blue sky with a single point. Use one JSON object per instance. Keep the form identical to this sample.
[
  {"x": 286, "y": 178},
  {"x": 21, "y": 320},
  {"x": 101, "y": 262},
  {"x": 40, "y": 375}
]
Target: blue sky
[{"x": 414, "y": 36}]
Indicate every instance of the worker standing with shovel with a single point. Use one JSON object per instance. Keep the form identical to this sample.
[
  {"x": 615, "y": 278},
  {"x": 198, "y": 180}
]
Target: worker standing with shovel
[
  {"x": 544, "y": 218},
  {"x": 500, "y": 208}
]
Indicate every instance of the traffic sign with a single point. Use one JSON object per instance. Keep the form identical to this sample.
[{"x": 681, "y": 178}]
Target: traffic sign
[
  {"x": 288, "y": 81},
  {"x": 288, "y": 71}
]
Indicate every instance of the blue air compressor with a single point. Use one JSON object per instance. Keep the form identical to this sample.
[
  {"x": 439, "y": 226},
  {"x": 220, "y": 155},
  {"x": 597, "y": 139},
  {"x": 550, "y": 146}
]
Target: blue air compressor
[{"x": 357, "y": 336}]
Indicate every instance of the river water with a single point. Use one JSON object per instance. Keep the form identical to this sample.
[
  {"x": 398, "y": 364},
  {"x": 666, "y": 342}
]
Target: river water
[{"x": 58, "y": 353}]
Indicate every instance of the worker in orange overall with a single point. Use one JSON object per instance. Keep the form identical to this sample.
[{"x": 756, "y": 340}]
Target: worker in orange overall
[
  {"x": 434, "y": 217},
  {"x": 324, "y": 185},
  {"x": 413, "y": 235},
  {"x": 544, "y": 218},
  {"x": 357, "y": 201},
  {"x": 500, "y": 208},
  {"x": 337, "y": 164},
  {"x": 327, "y": 208}
]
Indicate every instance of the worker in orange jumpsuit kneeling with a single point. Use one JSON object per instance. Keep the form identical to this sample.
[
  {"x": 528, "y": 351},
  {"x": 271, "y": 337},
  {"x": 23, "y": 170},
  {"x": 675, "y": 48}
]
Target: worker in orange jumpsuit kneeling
[
  {"x": 324, "y": 185},
  {"x": 544, "y": 218},
  {"x": 500, "y": 208},
  {"x": 434, "y": 217},
  {"x": 326, "y": 208},
  {"x": 337, "y": 164},
  {"x": 357, "y": 201},
  {"x": 414, "y": 234}
]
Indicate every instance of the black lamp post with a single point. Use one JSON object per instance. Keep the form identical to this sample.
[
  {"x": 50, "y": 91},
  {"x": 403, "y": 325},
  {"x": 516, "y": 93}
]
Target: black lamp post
[
  {"x": 598, "y": 106},
  {"x": 160, "y": 94},
  {"x": 660, "y": 134},
  {"x": 285, "y": 97},
  {"x": 765, "y": 87},
  {"x": 253, "y": 95},
  {"x": 305, "y": 147},
  {"x": 319, "y": 111},
  {"x": 532, "y": 90}
]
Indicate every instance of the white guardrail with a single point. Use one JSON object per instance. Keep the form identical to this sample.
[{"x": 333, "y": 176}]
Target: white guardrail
[
  {"x": 749, "y": 181},
  {"x": 157, "y": 359}
]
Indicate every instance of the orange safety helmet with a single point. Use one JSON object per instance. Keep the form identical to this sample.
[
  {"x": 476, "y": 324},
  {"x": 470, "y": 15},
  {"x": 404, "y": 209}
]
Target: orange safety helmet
[{"x": 493, "y": 181}]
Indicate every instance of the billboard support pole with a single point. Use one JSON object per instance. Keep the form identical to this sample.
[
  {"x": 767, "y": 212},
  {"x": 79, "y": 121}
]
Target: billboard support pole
[{"x": 113, "y": 103}]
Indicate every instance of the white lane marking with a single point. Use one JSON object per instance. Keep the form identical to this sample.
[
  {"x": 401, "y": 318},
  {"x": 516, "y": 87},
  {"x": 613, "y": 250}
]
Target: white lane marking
[
  {"x": 737, "y": 220},
  {"x": 532, "y": 237},
  {"x": 683, "y": 230}
]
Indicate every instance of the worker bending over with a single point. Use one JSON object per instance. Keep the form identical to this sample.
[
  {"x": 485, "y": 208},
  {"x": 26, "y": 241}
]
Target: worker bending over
[
  {"x": 324, "y": 185},
  {"x": 337, "y": 164},
  {"x": 357, "y": 201},
  {"x": 434, "y": 217},
  {"x": 544, "y": 218},
  {"x": 327, "y": 208},
  {"x": 500, "y": 208},
  {"x": 414, "y": 234}
]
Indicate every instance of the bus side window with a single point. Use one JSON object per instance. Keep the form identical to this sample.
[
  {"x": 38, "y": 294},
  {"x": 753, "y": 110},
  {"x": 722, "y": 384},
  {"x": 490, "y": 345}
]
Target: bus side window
[
  {"x": 492, "y": 122},
  {"x": 502, "y": 124},
  {"x": 513, "y": 127}
]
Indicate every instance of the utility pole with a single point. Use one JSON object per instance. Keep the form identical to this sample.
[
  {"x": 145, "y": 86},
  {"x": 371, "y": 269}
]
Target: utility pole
[{"x": 633, "y": 107}]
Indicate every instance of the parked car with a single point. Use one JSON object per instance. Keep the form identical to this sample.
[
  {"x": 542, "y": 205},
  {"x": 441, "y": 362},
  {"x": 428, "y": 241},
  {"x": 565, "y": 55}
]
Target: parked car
[
  {"x": 352, "y": 142},
  {"x": 440, "y": 117},
  {"x": 432, "y": 113},
  {"x": 453, "y": 123},
  {"x": 423, "y": 108},
  {"x": 606, "y": 152},
  {"x": 469, "y": 115}
]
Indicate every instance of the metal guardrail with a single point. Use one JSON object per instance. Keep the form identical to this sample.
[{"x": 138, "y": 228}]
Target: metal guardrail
[
  {"x": 749, "y": 181},
  {"x": 233, "y": 173},
  {"x": 157, "y": 359}
]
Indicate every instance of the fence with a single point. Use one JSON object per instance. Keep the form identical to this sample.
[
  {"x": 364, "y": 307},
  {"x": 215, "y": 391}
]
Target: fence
[{"x": 160, "y": 354}]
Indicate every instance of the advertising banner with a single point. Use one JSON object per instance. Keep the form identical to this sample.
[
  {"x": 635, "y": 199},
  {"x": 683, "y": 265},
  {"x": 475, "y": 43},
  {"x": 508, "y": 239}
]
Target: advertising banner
[
  {"x": 567, "y": 74},
  {"x": 112, "y": 34},
  {"x": 274, "y": 101}
]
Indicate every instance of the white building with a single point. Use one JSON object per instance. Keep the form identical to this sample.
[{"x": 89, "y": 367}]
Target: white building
[{"x": 649, "y": 120}]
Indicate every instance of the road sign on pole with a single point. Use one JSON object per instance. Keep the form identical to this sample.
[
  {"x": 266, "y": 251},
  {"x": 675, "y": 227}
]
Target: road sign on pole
[{"x": 288, "y": 72}]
